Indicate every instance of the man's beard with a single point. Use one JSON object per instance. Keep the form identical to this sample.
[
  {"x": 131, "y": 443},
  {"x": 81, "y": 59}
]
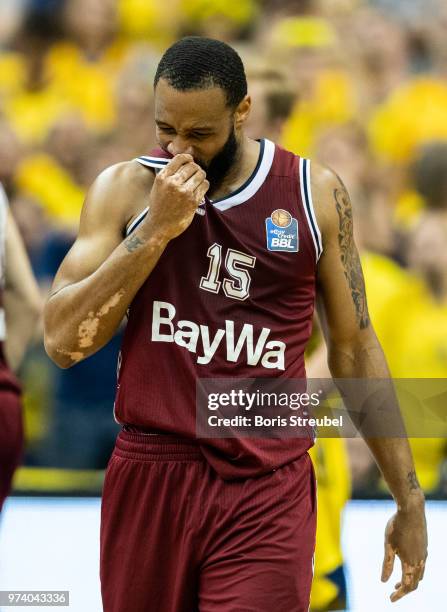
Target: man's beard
[{"x": 218, "y": 168}]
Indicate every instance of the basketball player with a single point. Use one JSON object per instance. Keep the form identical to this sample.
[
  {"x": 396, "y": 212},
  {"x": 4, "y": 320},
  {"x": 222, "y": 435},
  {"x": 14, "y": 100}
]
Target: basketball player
[
  {"x": 20, "y": 307},
  {"x": 179, "y": 238}
]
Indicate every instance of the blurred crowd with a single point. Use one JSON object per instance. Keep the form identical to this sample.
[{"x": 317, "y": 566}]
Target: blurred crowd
[{"x": 360, "y": 86}]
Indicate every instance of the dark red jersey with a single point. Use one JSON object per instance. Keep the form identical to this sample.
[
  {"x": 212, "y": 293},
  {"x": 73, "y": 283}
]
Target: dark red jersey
[
  {"x": 8, "y": 381},
  {"x": 232, "y": 296}
]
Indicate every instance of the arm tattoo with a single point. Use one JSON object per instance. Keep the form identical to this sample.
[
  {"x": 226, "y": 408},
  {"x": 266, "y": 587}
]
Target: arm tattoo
[
  {"x": 132, "y": 243},
  {"x": 413, "y": 480},
  {"x": 349, "y": 256}
]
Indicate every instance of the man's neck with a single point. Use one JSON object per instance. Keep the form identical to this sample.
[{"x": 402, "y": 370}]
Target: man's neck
[{"x": 243, "y": 167}]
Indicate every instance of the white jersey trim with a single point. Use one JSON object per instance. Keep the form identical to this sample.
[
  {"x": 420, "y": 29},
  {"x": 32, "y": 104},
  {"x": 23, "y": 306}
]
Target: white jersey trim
[
  {"x": 137, "y": 221},
  {"x": 153, "y": 162},
  {"x": 241, "y": 195},
  {"x": 306, "y": 197},
  {"x": 256, "y": 180}
]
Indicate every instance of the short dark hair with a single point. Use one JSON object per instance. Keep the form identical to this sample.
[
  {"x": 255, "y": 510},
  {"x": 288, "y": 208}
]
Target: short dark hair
[{"x": 196, "y": 62}]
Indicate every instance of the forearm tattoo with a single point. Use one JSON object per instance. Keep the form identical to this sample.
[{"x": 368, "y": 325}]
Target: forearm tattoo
[
  {"x": 349, "y": 256},
  {"x": 413, "y": 480},
  {"x": 132, "y": 243}
]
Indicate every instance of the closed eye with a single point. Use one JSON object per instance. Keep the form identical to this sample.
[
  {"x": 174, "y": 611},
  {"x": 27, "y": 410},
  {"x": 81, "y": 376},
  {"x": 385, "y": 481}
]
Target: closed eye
[
  {"x": 200, "y": 135},
  {"x": 166, "y": 130},
  {"x": 169, "y": 130}
]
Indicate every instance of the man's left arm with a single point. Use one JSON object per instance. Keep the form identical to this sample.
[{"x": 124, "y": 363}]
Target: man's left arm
[{"x": 355, "y": 352}]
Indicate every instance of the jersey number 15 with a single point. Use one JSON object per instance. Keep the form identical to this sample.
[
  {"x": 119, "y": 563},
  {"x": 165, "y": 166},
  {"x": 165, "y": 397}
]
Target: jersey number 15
[{"x": 236, "y": 287}]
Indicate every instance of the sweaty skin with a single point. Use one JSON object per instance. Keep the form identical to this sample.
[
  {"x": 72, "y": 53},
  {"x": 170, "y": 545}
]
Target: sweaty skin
[{"x": 102, "y": 272}]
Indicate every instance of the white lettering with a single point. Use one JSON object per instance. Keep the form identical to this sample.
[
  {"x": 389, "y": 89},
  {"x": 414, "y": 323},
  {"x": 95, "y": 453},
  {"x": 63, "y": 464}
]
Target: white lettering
[
  {"x": 278, "y": 355},
  {"x": 245, "y": 337},
  {"x": 209, "y": 349},
  {"x": 189, "y": 337},
  {"x": 158, "y": 320},
  {"x": 187, "y": 334}
]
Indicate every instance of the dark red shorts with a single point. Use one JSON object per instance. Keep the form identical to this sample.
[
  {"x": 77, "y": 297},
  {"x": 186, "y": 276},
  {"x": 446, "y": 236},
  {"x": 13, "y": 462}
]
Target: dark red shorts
[
  {"x": 175, "y": 537},
  {"x": 11, "y": 439}
]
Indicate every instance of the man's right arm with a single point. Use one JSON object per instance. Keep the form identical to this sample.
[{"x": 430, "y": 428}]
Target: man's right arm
[{"x": 101, "y": 274}]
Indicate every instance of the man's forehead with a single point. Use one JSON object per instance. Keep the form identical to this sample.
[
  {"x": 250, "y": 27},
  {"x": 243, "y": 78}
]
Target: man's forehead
[{"x": 196, "y": 107}]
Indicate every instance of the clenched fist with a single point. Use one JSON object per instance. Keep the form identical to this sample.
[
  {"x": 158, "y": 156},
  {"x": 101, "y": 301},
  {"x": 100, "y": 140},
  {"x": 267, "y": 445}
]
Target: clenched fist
[{"x": 176, "y": 193}]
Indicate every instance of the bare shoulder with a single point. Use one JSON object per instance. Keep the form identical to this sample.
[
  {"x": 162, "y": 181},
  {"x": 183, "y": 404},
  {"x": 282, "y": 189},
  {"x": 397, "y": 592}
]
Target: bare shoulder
[
  {"x": 112, "y": 200},
  {"x": 329, "y": 196},
  {"x": 118, "y": 194}
]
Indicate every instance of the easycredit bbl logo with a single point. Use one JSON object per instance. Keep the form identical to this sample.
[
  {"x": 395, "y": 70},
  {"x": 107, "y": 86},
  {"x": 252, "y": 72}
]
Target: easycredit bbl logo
[{"x": 282, "y": 232}]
